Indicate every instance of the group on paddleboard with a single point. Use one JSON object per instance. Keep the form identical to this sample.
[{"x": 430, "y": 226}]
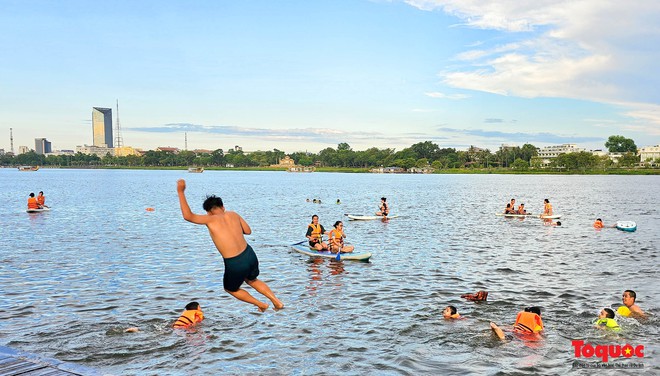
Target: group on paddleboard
[
  {"x": 38, "y": 203},
  {"x": 511, "y": 208},
  {"x": 336, "y": 236}
]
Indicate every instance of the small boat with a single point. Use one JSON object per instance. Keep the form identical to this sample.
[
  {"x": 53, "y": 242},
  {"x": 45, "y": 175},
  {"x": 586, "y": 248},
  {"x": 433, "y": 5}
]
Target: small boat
[
  {"x": 303, "y": 247},
  {"x": 41, "y": 210},
  {"x": 628, "y": 226},
  {"x": 556, "y": 216},
  {"x": 360, "y": 217},
  {"x": 28, "y": 168},
  {"x": 196, "y": 169}
]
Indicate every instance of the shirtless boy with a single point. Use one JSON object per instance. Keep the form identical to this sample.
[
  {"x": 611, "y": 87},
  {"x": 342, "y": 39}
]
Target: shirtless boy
[{"x": 226, "y": 229}]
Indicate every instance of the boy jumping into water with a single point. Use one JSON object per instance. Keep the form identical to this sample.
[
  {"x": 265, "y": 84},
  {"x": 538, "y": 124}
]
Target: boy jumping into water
[{"x": 226, "y": 229}]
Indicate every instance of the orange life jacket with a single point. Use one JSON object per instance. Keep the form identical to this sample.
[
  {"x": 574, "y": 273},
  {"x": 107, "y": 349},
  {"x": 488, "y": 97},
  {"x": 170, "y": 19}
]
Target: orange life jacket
[
  {"x": 598, "y": 224},
  {"x": 528, "y": 322},
  {"x": 548, "y": 209},
  {"x": 41, "y": 200},
  {"x": 316, "y": 230},
  {"x": 32, "y": 203},
  {"x": 335, "y": 235},
  {"x": 188, "y": 318}
]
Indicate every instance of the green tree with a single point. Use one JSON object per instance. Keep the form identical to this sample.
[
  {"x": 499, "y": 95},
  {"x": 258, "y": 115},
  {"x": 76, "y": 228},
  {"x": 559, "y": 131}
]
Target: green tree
[
  {"x": 620, "y": 144},
  {"x": 520, "y": 164},
  {"x": 628, "y": 160}
]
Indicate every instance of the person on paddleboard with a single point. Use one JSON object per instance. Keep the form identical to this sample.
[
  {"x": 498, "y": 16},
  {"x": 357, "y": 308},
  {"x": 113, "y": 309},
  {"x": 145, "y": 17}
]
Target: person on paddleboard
[
  {"x": 32, "y": 202},
  {"x": 336, "y": 237},
  {"x": 521, "y": 209},
  {"x": 315, "y": 233},
  {"x": 383, "y": 209},
  {"x": 547, "y": 208},
  {"x": 227, "y": 229},
  {"x": 41, "y": 200}
]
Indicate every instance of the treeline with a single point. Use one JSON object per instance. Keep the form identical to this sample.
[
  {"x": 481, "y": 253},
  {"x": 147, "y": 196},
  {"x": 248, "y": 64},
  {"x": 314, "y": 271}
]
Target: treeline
[{"x": 423, "y": 154}]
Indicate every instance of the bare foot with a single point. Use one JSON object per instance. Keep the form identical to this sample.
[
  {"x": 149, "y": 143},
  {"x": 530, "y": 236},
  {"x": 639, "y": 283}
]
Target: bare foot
[
  {"x": 277, "y": 306},
  {"x": 262, "y": 308}
]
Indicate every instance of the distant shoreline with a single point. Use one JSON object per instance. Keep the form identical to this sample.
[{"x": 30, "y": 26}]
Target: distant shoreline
[{"x": 451, "y": 171}]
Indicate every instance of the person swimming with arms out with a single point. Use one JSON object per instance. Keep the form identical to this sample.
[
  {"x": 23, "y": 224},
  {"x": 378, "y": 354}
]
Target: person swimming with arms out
[
  {"x": 227, "y": 230},
  {"x": 528, "y": 324}
]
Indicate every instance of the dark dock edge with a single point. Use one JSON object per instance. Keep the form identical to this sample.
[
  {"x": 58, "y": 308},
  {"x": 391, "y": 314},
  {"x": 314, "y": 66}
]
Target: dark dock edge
[{"x": 15, "y": 362}]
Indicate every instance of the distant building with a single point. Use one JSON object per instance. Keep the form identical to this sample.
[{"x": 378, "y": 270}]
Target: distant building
[
  {"x": 23, "y": 149},
  {"x": 102, "y": 126},
  {"x": 168, "y": 149},
  {"x": 286, "y": 162},
  {"x": 202, "y": 151},
  {"x": 548, "y": 153},
  {"x": 125, "y": 151},
  {"x": 63, "y": 152},
  {"x": 100, "y": 151},
  {"x": 42, "y": 146},
  {"x": 2, "y": 151},
  {"x": 238, "y": 148},
  {"x": 649, "y": 152}
]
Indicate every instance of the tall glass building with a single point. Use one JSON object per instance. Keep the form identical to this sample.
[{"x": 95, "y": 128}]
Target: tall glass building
[
  {"x": 42, "y": 146},
  {"x": 102, "y": 126}
]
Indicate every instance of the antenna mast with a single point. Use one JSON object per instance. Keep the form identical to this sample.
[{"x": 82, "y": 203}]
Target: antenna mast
[
  {"x": 119, "y": 142},
  {"x": 11, "y": 139}
]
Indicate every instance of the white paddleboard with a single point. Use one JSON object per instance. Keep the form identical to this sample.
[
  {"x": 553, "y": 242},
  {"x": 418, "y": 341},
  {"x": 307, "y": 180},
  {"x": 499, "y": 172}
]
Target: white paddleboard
[
  {"x": 303, "y": 247},
  {"x": 359, "y": 217}
]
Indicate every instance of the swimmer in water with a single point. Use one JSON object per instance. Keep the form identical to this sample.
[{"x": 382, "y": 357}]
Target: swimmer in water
[{"x": 450, "y": 313}]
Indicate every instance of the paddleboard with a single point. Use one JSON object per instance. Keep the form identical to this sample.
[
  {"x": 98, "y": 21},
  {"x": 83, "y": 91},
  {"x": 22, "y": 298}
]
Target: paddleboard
[
  {"x": 556, "y": 216},
  {"x": 303, "y": 247},
  {"x": 359, "y": 217},
  {"x": 37, "y": 210},
  {"x": 628, "y": 226}
]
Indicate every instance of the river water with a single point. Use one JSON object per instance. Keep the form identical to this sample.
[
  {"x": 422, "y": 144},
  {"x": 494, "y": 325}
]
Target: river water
[{"x": 74, "y": 278}]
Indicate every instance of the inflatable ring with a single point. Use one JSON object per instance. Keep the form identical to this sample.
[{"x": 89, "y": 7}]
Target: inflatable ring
[{"x": 623, "y": 311}]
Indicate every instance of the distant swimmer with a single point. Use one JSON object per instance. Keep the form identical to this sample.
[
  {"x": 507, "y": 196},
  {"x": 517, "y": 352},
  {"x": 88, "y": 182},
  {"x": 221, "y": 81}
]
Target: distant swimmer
[
  {"x": 227, "y": 229},
  {"x": 450, "y": 313},
  {"x": 528, "y": 323},
  {"x": 598, "y": 223},
  {"x": 549, "y": 222},
  {"x": 41, "y": 200},
  {"x": 629, "y": 308},
  {"x": 606, "y": 320},
  {"x": 32, "y": 202},
  {"x": 547, "y": 208},
  {"x": 480, "y": 296},
  {"x": 338, "y": 201},
  {"x": 383, "y": 209},
  {"x": 191, "y": 315}
]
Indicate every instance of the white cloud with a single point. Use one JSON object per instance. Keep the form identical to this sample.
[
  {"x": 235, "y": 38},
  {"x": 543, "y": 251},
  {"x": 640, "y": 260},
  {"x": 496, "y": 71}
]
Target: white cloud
[
  {"x": 447, "y": 96},
  {"x": 594, "y": 50}
]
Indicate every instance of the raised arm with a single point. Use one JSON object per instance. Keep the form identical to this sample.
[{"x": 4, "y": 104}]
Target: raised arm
[{"x": 188, "y": 215}]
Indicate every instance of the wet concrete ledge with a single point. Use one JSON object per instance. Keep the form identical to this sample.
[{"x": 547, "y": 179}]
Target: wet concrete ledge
[{"x": 14, "y": 362}]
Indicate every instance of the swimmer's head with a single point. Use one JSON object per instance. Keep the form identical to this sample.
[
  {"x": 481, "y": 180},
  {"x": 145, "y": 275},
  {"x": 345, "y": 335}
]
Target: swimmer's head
[
  {"x": 211, "y": 202},
  {"x": 599, "y": 220},
  {"x": 606, "y": 313},
  {"x": 192, "y": 306},
  {"x": 536, "y": 310},
  {"x": 558, "y": 223},
  {"x": 448, "y": 312},
  {"x": 629, "y": 297}
]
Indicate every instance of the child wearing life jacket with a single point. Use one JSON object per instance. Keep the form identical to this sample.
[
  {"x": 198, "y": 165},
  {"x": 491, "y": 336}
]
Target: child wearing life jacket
[
  {"x": 598, "y": 223},
  {"x": 190, "y": 316},
  {"x": 450, "y": 313},
  {"x": 32, "y": 202},
  {"x": 606, "y": 320},
  {"x": 528, "y": 322}
]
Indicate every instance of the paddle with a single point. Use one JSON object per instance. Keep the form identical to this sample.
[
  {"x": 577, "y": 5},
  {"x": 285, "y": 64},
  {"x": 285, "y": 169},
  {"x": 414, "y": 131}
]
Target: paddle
[{"x": 338, "y": 257}]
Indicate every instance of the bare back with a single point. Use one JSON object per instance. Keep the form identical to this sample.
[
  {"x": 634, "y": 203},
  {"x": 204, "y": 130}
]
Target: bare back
[{"x": 226, "y": 229}]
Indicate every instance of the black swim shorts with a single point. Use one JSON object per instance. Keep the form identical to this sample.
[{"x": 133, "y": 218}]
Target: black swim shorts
[{"x": 241, "y": 268}]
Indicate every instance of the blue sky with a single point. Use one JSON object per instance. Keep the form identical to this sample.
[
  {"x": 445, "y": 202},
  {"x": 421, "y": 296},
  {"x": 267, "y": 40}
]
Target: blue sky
[{"x": 306, "y": 75}]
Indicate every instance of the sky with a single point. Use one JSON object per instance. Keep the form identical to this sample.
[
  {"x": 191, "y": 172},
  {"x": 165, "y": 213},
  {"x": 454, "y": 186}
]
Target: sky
[{"x": 300, "y": 75}]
